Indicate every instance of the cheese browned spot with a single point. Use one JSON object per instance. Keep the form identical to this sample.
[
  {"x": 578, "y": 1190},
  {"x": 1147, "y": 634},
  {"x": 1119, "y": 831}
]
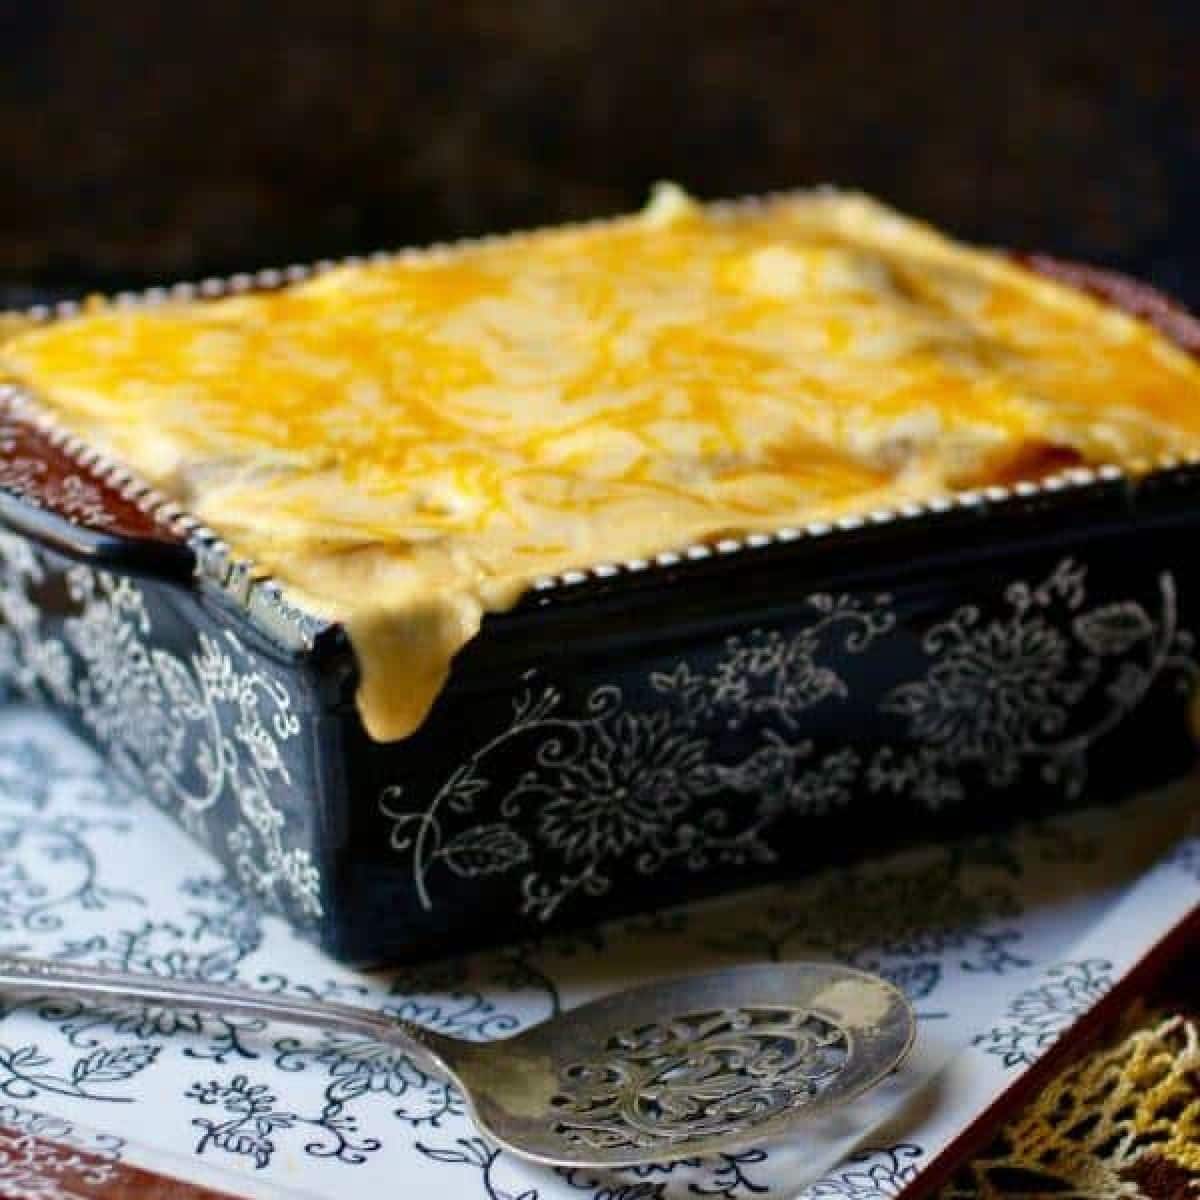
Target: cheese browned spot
[{"x": 406, "y": 445}]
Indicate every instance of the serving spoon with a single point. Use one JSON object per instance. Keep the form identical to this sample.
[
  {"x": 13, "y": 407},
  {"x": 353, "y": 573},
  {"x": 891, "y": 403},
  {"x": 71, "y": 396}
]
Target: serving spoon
[{"x": 687, "y": 1066}]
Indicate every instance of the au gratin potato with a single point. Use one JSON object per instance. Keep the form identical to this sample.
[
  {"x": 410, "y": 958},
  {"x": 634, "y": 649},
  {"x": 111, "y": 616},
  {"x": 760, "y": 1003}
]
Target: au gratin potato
[{"x": 407, "y": 444}]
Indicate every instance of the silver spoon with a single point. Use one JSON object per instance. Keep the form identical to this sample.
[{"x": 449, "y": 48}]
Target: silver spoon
[{"x": 686, "y": 1066}]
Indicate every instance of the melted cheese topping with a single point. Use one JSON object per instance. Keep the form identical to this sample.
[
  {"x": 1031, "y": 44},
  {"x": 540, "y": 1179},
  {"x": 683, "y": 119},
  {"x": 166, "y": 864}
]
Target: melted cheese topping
[{"x": 408, "y": 444}]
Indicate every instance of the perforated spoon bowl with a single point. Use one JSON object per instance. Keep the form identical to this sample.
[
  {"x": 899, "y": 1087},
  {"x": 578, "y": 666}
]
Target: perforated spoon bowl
[{"x": 687, "y": 1066}]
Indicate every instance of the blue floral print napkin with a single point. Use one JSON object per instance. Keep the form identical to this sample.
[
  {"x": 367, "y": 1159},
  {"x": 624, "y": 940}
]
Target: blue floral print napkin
[{"x": 999, "y": 941}]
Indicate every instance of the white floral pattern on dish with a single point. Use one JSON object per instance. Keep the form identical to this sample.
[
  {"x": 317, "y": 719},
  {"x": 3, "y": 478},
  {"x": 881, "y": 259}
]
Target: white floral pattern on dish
[{"x": 1032, "y": 687}]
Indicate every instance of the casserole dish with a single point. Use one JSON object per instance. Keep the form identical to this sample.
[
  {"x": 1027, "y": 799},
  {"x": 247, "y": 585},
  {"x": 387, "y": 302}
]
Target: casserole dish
[{"x": 629, "y": 734}]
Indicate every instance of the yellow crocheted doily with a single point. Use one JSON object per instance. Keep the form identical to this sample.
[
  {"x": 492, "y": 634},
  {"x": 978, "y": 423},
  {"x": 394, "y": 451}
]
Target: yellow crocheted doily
[{"x": 1123, "y": 1122}]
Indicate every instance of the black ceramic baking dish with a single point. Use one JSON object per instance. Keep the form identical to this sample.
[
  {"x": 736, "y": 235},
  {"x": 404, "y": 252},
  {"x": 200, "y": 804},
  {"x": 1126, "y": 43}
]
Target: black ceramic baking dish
[{"x": 630, "y": 734}]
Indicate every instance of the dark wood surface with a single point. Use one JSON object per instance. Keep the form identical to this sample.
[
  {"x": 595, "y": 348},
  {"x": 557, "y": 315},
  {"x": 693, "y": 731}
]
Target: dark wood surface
[{"x": 142, "y": 140}]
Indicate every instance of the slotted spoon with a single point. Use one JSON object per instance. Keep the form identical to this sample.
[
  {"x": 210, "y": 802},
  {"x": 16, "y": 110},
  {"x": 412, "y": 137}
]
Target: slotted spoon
[{"x": 681, "y": 1067}]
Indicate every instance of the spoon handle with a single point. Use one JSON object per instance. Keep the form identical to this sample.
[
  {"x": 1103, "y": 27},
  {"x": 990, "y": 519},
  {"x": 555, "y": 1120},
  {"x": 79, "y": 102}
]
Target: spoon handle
[{"x": 42, "y": 977}]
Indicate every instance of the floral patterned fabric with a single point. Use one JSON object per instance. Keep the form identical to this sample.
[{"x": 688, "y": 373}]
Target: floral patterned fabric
[{"x": 1000, "y": 942}]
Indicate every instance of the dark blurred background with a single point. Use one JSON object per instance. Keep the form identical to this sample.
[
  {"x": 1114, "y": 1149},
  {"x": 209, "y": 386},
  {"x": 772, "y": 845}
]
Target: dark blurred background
[{"x": 143, "y": 140}]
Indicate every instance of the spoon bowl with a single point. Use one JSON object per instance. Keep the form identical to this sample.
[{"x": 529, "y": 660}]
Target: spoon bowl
[{"x": 688, "y": 1066}]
